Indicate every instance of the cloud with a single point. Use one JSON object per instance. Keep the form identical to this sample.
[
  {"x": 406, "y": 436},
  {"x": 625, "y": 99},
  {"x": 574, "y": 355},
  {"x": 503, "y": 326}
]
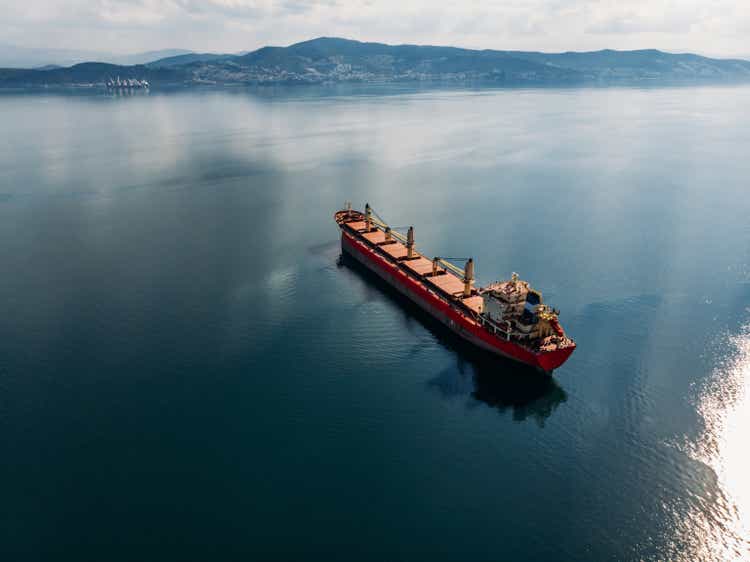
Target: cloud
[
  {"x": 234, "y": 25},
  {"x": 647, "y": 17}
]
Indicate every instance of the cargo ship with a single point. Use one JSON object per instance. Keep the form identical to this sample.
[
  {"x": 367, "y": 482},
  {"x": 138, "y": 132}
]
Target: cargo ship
[{"x": 507, "y": 318}]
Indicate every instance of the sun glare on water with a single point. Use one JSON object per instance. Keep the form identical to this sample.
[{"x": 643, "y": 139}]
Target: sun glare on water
[{"x": 725, "y": 447}]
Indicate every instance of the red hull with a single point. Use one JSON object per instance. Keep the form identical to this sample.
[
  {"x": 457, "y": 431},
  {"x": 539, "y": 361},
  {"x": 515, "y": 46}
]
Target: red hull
[{"x": 459, "y": 323}]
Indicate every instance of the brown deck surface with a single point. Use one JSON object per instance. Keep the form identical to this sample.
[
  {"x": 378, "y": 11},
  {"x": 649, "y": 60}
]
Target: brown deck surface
[
  {"x": 375, "y": 237},
  {"x": 475, "y": 303},
  {"x": 395, "y": 250},
  {"x": 420, "y": 265},
  {"x": 358, "y": 225},
  {"x": 448, "y": 283}
]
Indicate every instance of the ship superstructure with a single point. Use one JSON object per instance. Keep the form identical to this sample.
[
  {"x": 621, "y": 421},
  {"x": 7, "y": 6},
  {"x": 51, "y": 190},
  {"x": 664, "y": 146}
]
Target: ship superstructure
[{"x": 507, "y": 317}]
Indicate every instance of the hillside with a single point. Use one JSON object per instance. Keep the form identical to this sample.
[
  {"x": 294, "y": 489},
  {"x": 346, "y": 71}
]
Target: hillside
[
  {"x": 189, "y": 58},
  {"x": 646, "y": 64},
  {"x": 86, "y": 74},
  {"x": 326, "y": 60}
]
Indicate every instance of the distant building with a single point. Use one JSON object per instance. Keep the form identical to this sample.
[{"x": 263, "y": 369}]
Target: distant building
[{"x": 127, "y": 83}]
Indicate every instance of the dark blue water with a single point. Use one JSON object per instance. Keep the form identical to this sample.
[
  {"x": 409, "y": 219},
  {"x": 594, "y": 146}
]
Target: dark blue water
[{"x": 189, "y": 371}]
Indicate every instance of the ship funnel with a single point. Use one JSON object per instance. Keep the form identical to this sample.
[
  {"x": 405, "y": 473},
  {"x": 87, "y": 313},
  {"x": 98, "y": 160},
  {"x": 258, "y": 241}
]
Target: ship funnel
[
  {"x": 368, "y": 216},
  {"x": 410, "y": 242},
  {"x": 468, "y": 277}
]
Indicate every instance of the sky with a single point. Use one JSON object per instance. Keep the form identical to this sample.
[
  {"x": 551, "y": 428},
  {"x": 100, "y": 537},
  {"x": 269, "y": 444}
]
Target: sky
[{"x": 711, "y": 27}]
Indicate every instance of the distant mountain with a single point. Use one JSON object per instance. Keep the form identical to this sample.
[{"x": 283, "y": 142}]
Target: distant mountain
[
  {"x": 188, "y": 58},
  {"x": 12, "y": 56},
  {"x": 648, "y": 64},
  {"x": 333, "y": 59},
  {"x": 341, "y": 60},
  {"x": 145, "y": 58}
]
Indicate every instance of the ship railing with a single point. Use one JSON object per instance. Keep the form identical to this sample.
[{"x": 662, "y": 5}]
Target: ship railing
[
  {"x": 496, "y": 329},
  {"x": 502, "y": 331},
  {"x": 454, "y": 268},
  {"x": 402, "y": 238},
  {"x": 382, "y": 226}
]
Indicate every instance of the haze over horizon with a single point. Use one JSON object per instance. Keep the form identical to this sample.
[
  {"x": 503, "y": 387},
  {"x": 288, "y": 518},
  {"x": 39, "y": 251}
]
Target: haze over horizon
[{"x": 129, "y": 26}]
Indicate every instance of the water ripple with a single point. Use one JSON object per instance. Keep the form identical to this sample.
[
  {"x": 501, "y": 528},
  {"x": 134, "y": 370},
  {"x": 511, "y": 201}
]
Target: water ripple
[{"x": 720, "y": 528}]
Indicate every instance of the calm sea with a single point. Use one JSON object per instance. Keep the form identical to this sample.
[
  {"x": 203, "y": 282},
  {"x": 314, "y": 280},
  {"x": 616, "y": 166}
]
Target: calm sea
[{"x": 189, "y": 371}]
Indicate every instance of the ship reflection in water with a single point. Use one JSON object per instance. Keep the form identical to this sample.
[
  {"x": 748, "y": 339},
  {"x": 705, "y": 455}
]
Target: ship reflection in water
[
  {"x": 500, "y": 383},
  {"x": 722, "y": 531},
  {"x": 126, "y": 92}
]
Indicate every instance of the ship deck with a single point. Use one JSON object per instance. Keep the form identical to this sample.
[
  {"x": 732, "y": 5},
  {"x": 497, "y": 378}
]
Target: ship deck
[{"x": 445, "y": 282}]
